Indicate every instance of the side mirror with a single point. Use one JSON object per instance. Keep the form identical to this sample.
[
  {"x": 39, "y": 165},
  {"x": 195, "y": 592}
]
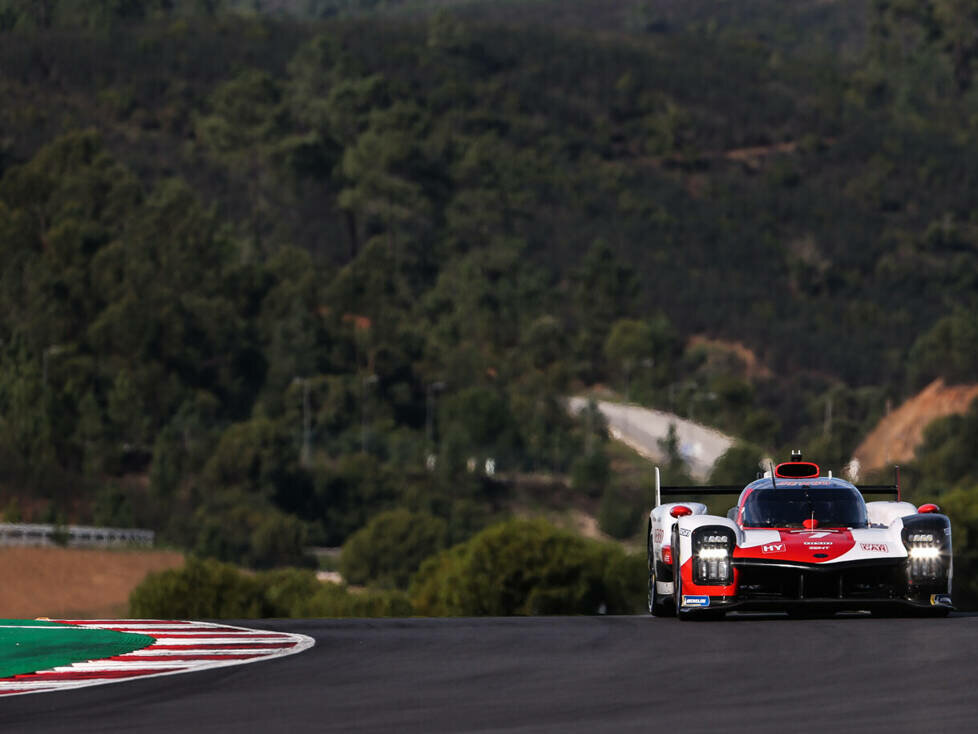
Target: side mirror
[
  {"x": 929, "y": 507},
  {"x": 680, "y": 511}
]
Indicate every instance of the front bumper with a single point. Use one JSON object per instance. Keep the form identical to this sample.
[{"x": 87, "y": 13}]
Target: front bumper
[
  {"x": 730, "y": 604},
  {"x": 850, "y": 586}
]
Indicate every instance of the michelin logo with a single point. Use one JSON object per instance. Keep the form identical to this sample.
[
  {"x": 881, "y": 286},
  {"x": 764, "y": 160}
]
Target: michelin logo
[
  {"x": 696, "y": 601},
  {"x": 936, "y": 600}
]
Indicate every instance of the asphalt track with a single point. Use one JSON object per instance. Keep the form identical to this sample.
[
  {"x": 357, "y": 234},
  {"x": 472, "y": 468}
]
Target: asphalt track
[{"x": 576, "y": 674}]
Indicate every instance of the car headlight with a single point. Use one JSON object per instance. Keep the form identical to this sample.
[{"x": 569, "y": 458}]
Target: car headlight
[
  {"x": 712, "y": 551},
  {"x": 924, "y": 553},
  {"x": 927, "y": 545}
]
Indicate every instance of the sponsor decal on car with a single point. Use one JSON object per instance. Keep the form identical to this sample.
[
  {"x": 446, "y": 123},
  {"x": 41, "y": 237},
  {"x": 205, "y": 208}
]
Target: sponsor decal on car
[
  {"x": 874, "y": 547},
  {"x": 684, "y": 532},
  {"x": 940, "y": 600},
  {"x": 774, "y": 548},
  {"x": 658, "y": 536},
  {"x": 696, "y": 601}
]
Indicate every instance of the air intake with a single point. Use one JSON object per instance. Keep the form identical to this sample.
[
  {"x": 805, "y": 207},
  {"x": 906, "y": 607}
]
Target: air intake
[{"x": 797, "y": 470}]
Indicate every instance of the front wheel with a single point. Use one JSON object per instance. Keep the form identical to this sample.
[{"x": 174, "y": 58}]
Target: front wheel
[
  {"x": 658, "y": 605},
  {"x": 677, "y": 577}
]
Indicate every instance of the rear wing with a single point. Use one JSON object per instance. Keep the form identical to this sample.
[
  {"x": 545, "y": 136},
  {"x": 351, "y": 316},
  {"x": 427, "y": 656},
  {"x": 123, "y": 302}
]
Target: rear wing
[
  {"x": 720, "y": 489},
  {"x": 705, "y": 489},
  {"x": 880, "y": 489}
]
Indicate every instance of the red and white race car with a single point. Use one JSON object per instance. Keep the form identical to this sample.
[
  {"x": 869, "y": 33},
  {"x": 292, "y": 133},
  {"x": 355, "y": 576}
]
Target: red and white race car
[{"x": 799, "y": 542}]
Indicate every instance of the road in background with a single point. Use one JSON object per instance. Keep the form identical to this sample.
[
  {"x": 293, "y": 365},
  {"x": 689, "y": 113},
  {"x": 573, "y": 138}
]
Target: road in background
[
  {"x": 642, "y": 429},
  {"x": 570, "y": 675}
]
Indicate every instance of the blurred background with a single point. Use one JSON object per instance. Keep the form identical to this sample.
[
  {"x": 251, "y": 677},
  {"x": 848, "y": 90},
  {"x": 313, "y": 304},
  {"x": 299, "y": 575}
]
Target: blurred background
[{"x": 309, "y": 286}]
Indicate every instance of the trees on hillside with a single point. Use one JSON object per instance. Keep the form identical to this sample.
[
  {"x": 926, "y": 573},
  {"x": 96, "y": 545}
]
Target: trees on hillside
[{"x": 305, "y": 274}]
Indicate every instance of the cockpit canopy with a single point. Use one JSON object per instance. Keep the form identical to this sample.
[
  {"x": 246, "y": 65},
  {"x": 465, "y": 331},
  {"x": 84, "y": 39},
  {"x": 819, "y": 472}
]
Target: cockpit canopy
[{"x": 790, "y": 507}]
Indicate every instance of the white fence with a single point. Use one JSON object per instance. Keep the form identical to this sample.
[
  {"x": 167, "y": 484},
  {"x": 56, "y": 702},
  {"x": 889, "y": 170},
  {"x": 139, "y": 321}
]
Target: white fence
[{"x": 74, "y": 536}]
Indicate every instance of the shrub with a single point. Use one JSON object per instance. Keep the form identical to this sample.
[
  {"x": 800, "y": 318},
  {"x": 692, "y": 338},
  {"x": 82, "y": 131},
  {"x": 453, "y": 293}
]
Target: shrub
[
  {"x": 201, "y": 589},
  {"x": 388, "y": 550},
  {"x": 333, "y": 600},
  {"x": 210, "y": 589},
  {"x": 528, "y": 567}
]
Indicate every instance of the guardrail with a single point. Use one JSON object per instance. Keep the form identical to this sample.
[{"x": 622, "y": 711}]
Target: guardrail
[{"x": 73, "y": 536}]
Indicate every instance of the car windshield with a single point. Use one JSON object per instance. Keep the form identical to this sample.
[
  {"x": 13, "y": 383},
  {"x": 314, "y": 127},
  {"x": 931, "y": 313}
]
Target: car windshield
[{"x": 789, "y": 507}]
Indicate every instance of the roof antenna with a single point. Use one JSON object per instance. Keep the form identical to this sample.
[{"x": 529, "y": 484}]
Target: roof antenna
[
  {"x": 773, "y": 483},
  {"x": 896, "y": 469}
]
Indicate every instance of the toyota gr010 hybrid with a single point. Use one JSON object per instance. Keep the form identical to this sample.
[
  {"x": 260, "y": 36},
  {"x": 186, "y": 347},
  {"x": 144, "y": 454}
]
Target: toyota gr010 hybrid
[{"x": 799, "y": 542}]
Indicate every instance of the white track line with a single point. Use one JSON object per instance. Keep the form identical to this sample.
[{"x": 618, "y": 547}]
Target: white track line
[
  {"x": 110, "y": 665},
  {"x": 218, "y": 641}
]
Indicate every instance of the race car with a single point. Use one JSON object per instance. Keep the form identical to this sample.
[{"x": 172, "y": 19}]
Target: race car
[{"x": 799, "y": 542}]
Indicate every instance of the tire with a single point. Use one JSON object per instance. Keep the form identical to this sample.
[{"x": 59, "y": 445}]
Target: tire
[
  {"x": 658, "y": 606},
  {"x": 677, "y": 578}
]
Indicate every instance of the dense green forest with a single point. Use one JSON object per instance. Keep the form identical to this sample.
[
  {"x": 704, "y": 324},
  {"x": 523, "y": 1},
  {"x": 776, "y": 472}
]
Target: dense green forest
[{"x": 273, "y": 270}]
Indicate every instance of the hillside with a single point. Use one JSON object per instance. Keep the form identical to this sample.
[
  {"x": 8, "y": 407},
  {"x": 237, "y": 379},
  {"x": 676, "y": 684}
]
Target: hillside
[
  {"x": 267, "y": 276},
  {"x": 897, "y": 436}
]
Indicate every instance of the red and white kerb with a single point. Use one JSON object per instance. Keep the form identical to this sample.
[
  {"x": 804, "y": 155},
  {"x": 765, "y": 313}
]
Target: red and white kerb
[{"x": 178, "y": 647}]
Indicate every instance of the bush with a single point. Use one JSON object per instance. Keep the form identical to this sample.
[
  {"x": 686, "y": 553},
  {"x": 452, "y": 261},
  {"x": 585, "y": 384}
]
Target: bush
[
  {"x": 214, "y": 590},
  {"x": 202, "y": 588},
  {"x": 333, "y": 600},
  {"x": 528, "y": 567},
  {"x": 388, "y": 550}
]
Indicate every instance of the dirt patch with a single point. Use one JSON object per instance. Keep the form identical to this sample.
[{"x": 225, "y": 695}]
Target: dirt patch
[
  {"x": 74, "y": 583},
  {"x": 743, "y": 359},
  {"x": 897, "y": 436}
]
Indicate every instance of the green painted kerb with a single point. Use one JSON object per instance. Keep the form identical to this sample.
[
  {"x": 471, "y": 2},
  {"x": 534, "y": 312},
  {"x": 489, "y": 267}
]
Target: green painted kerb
[{"x": 27, "y": 646}]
